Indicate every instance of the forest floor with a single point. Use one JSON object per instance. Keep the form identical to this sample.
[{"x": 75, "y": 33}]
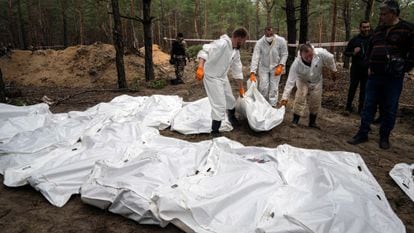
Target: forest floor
[{"x": 59, "y": 74}]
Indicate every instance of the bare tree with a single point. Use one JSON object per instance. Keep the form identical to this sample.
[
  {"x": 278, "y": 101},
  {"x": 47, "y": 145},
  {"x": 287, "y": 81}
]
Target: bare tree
[
  {"x": 22, "y": 31},
  {"x": 119, "y": 46},
  {"x": 291, "y": 28},
  {"x": 63, "y": 5},
  {"x": 333, "y": 31},
  {"x": 258, "y": 31},
  {"x": 303, "y": 33},
  {"x": 197, "y": 4},
  {"x": 268, "y": 5},
  {"x": 79, "y": 10},
  {"x": 147, "y": 22},
  {"x": 346, "y": 14}
]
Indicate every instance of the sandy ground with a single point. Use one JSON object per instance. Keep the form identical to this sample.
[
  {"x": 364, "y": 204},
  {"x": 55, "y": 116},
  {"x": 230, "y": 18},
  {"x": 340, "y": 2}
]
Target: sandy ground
[{"x": 25, "y": 210}]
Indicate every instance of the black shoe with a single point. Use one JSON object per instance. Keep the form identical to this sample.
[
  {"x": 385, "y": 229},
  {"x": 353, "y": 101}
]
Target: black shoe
[
  {"x": 296, "y": 119},
  {"x": 232, "y": 117},
  {"x": 384, "y": 143},
  {"x": 215, "y": 126},
  {"x": 312, "y": 121},
  {"x": 357, "y": 139},
  {"x": 180, "y": 81},
  {"x": 174, "y": 82},
  {"x": 215, "y": 134}
]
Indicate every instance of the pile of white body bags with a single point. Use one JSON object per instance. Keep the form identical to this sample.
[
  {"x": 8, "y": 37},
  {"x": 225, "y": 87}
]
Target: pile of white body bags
[{"x": 113, "y": 156}]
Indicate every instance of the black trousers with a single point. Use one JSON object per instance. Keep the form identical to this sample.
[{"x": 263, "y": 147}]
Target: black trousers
[{"x": 359, "y": 76}]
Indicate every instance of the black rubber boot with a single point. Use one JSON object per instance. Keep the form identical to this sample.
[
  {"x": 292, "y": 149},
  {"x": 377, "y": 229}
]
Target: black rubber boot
[
  {"x": 296, "y": 119},
  {"x": 215, "y": 126},
  {"x": 312, "y": 121},
  {"x": 358, "y": 139},
  {"x": 180, "y": 81},
  {"x": 384, "y": 142},
  {"x": 232, "y": 117}
]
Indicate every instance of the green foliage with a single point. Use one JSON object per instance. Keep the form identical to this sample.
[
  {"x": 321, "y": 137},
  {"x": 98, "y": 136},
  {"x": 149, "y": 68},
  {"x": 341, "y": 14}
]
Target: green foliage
[
  {"x": 157, "y": 84},
  {"x": 193, "y": 50},
  {"x": 135, "y": 85}
]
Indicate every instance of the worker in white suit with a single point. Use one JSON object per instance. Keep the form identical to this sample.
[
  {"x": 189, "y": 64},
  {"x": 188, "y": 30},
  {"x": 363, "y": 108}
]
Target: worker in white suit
[
  {"x": 215, "y": 60},
  {"x": 269, "y": 57},
  {"x": 306, "y": 74}
]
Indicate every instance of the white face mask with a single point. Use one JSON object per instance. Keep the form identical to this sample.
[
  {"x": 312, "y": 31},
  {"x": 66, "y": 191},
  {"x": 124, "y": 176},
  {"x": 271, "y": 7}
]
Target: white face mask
[{"x": 269, "y": 39}]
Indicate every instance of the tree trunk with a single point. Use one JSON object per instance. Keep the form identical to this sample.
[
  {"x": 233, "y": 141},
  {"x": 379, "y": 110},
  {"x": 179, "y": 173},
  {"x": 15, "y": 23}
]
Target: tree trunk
[
  {"x": 22, "y": 32},
  {"x": 163, "y": 31},
  {"x": 119, "y": 46},
  {"x": 2, "y": 89},
  {"x": 268, "y": 5},
  {"x": 368, "y": 9},
  {"x": 205, "y": 19},
  {"x": 79, "y": 9},
  {"x": 63, "y": 6},
  {"x": 333, "y": 31},
  {"x": 346, "y": 14},
  {"x": 147, "y": 21},
  {"x": 303, "y": 33},
  {"x": 257, "y": 21},
  {"x": 291, "y": 28},
  {"x": 195, "y": 16},
  {"x": 10, "y": 19}
]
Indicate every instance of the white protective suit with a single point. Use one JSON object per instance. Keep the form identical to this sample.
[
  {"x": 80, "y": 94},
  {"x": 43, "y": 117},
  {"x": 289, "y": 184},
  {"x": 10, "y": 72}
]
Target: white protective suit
[
  {"x": 266, "y": 57},
  {"x": 308, "y": 80},
  {"x": 220, "y": 57}
]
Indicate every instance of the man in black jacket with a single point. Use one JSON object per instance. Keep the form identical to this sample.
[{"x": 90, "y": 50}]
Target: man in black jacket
[
  {"x": 390, "y": 55},
  {"x": 357, "y": 48},
  {"x": 178, "y": 58}
]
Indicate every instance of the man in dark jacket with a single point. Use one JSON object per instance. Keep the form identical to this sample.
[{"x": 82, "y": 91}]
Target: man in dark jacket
[
  {"x": 390, "y": 55},
  {"x": 357, "y": 48},
  {"x": 178, "y": 58}
]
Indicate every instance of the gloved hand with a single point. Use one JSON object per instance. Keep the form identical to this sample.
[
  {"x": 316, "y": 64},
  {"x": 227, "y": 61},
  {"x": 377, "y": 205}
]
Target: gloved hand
[
  {"x": 241, "y": 92},
  {"x": 253, "y": 77},
  {"x": 200, "y": 73},
  {"x": 278, "y": 70},
  {"x": 282, "y": 103}
]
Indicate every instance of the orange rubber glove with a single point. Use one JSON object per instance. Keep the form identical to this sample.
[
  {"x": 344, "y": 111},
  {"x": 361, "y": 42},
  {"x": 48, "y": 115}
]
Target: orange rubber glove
[
  {"x": 252, "y": 77},
  {"x": 200, "y": 73},
  {"x": 241, "y": 92},
  {"x": 278, "y": 70}
]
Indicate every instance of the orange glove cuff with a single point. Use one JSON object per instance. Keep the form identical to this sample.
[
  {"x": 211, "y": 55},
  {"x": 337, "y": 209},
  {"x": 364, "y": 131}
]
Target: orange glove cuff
[
  {"x": 241, "y": 91},
  {"x": 200, "y": 73},
  {"x": 253, "y": 77}
]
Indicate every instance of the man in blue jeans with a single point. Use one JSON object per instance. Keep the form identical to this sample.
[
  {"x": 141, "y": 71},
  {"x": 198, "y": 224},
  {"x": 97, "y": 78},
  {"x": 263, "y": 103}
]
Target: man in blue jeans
[{"x": 390, "y": 54}]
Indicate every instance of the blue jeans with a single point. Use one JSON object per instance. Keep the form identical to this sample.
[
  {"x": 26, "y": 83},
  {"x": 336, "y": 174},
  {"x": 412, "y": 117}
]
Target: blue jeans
[{"x": 384, "y": 91}]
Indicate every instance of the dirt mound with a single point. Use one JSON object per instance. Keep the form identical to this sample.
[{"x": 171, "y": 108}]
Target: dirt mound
[{"x": 78, "y": 66}]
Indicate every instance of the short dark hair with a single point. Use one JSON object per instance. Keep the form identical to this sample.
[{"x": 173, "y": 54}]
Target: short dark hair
[
  {"x": 362, "y": 22},
  {"x": 305, "y": 47},
  {"x": 240, "y": 32},
  {"x": 268, "y": 28},
  {"x": 180, "y": 34},
  {"x": 392, "y": 6}
]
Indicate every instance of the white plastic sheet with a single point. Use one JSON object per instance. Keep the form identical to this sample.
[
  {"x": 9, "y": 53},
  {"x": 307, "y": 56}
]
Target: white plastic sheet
[
  {"x": 15, "y": 119},
  {"x": 403, "y": 175},
  {"x": 123, "y": 165},
  {"x": 259, "y": 113},
  {"x": 279, "y": 190},
  {"x": 195, "y": 118}
]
